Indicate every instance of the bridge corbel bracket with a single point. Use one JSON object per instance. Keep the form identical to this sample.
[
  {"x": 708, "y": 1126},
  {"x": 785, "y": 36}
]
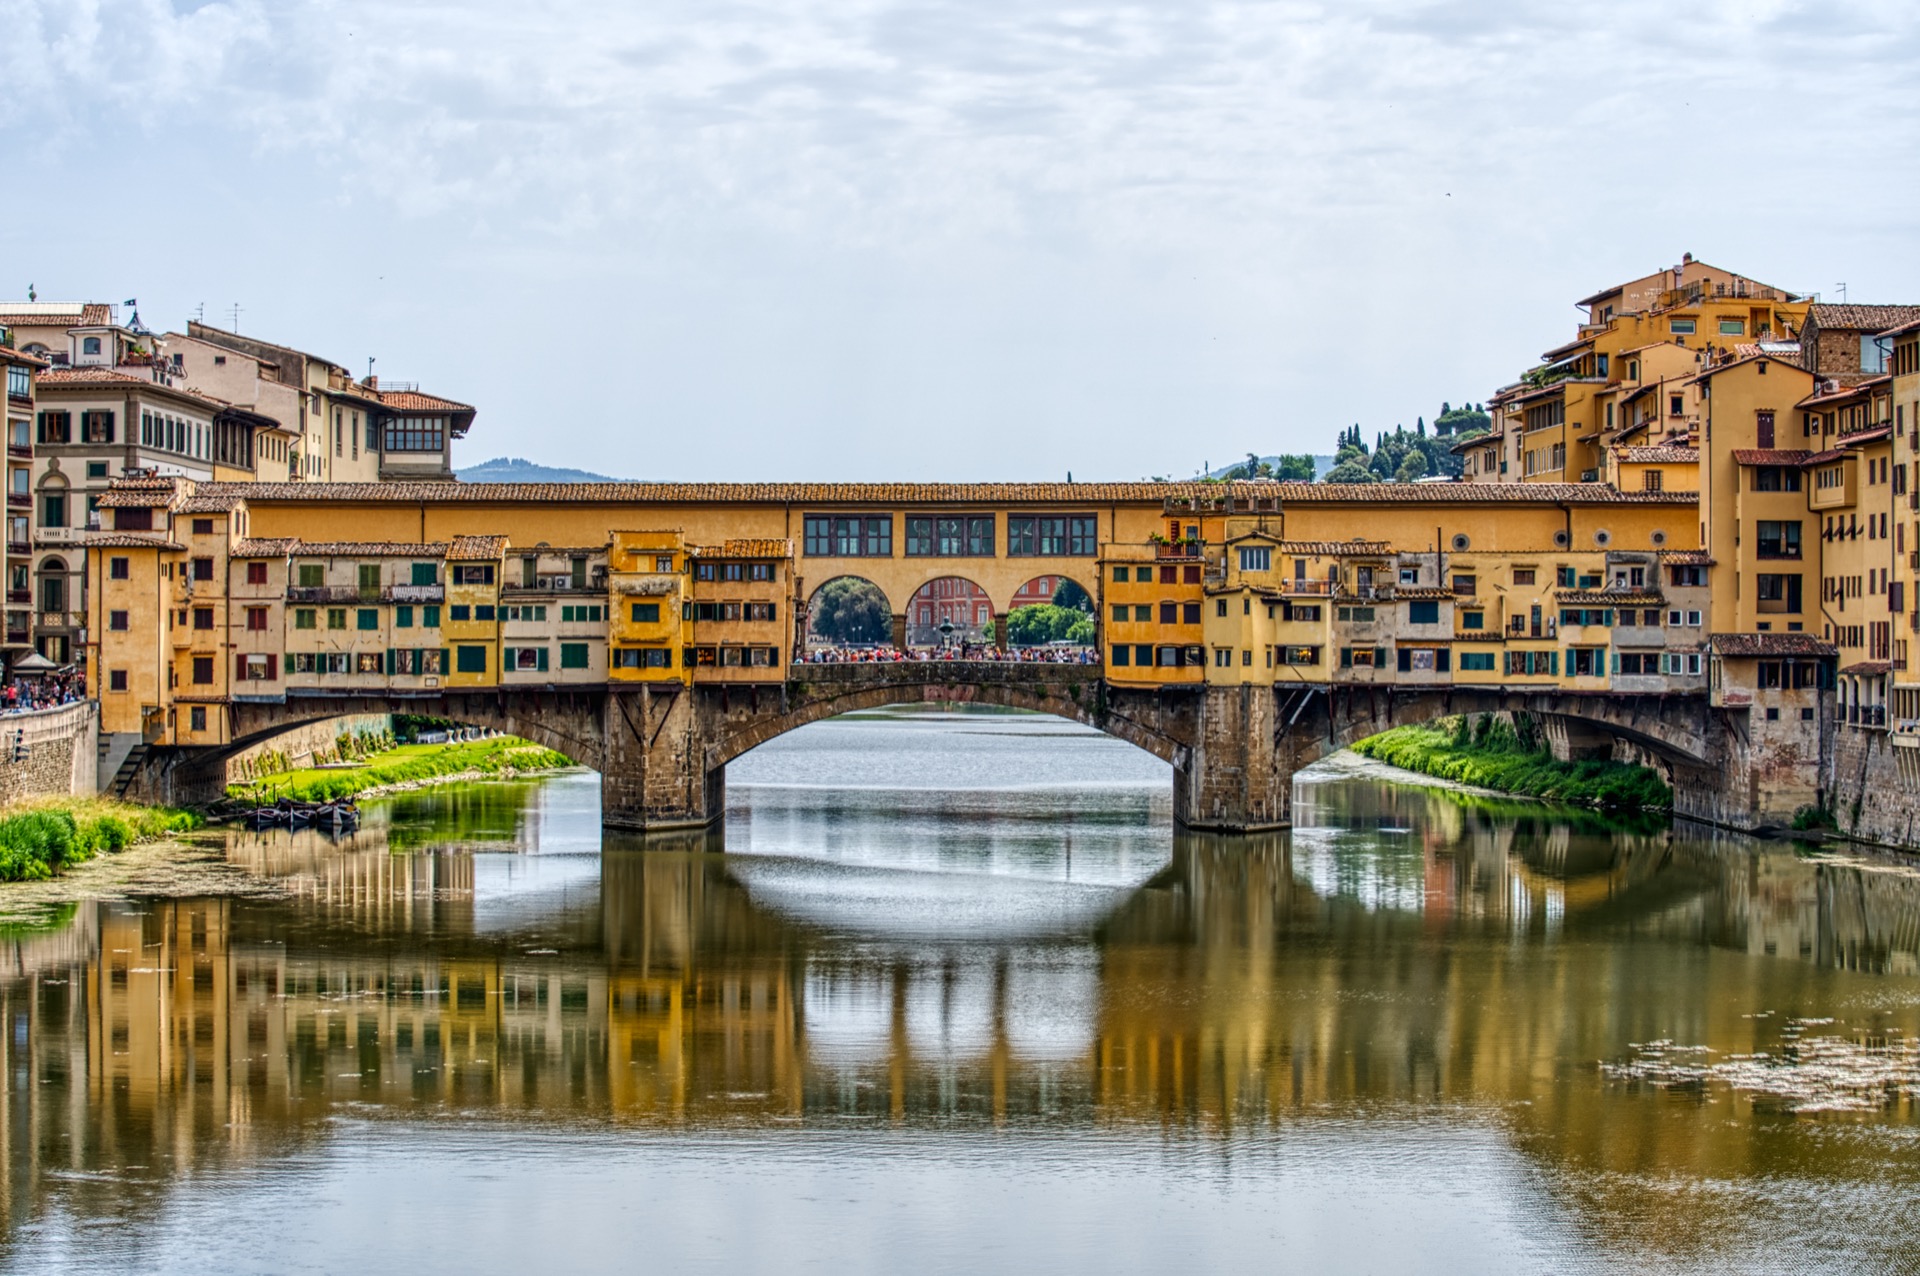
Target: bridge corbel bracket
[{"x": 666, "y": 715}]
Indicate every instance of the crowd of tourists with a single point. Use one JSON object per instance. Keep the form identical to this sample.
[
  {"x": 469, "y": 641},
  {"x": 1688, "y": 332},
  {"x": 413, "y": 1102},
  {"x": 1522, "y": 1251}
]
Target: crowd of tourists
[
  {"x": 23, "y": 695},
  {"x": 982, "y": 653}
]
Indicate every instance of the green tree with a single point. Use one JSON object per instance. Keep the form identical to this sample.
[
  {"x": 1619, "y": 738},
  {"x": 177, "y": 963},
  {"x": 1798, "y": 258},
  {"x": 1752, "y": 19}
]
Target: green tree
[
  {"x": 1411, "y": 468},
  {"x": 849, "y": 609},
  {"x": 1072, "y": 596},
  {"x": 1296, "y": 469},
  {"x": 1350, "y": 472},
  {"x": 1043, "y": 623}
]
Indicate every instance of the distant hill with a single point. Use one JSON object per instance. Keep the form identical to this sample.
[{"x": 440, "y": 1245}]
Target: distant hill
[
  {"x": 1321, "y": 464},
  {"x": 514, "y": 469}
]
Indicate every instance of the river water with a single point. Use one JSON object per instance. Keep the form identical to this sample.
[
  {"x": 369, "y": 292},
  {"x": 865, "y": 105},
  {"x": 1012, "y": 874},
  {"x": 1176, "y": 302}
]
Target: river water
[{"x": 950, "y": 994}]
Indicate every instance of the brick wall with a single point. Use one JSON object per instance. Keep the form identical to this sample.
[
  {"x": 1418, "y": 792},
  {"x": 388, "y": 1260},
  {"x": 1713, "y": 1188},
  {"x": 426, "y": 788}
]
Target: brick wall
[{"x": 50, "y": 752}]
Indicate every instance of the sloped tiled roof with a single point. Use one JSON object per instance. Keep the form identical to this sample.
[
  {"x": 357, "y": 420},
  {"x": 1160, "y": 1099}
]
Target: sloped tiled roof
[
  {"x": 1770, "y": 644},
  {"x": 1658, "y": 455},
  {"x": 90, "y": 314},
  {"x": 131, "y": 540},
  {"x": 265, "y": 547},
  {"x": 1770, "y": 456},
  {"x": 1844, "y": 390},
  {"x": 208, "y": 503},
  {"x": 1874, "y": 318},
  {"x": 152, "y": 498},
  {"x": 368, "y": 549},
  {"x": 749, "y": 547},
  {"x": 113, "y": 379},
  {"x": 414, "y": 401},
  {"x": 11, "y": 355},
  {"x": 476, "y": 549},
  {"x": 824, "y": 496},
  {"x": 1869, "y": 667},
  {"x": 1687, "y": 557}
]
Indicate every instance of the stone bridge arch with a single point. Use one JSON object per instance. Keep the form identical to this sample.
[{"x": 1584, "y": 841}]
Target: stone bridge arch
[{"x": 1073, "y": 692}]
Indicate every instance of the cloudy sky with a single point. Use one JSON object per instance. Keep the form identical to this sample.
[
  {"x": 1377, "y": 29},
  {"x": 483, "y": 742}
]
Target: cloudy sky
[{"x": 926, "y": 239}]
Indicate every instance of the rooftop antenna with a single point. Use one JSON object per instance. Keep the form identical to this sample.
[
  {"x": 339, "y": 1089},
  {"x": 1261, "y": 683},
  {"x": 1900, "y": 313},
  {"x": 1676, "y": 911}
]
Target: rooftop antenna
[
  {"x": 200, "y": 312},
  {"x": 236, "y": 316},
  {"x": 370, "y": 362},
  {"x": 1843, "y": 293}
]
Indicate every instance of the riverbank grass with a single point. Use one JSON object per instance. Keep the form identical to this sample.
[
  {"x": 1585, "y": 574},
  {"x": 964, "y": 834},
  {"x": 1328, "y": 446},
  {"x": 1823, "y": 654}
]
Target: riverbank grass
[
  {"x": 41, "y": 836},
  {"x": 406, "y": 764},
  {"x": 1487, "y": 753}
]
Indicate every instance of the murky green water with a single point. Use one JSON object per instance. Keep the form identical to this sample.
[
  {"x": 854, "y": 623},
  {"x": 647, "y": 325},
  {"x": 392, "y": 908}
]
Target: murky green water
[{"x": 956, "y": 998}]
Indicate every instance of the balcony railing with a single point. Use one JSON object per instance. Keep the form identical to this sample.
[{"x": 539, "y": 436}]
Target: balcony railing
[
  {"x": 19, "y": 595},
  {"x": 1186, "y": 551},
  {"x": 16, "y": 637},
  {"x": 23, "y": 451},
  {"x": 413, "y": 593},
  {"x": 1298, "y": 586},
  {"x": 330, "y": 594},
  {"x": 19, "y": 500}
]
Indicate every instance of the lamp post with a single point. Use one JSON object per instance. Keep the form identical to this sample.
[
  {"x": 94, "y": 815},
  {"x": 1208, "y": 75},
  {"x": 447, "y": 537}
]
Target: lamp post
[{"x": 946, "y": 633}]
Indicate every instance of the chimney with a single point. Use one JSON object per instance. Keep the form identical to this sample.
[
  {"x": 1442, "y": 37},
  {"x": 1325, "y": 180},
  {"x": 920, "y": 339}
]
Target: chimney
[{"x": 373, "y": 383}]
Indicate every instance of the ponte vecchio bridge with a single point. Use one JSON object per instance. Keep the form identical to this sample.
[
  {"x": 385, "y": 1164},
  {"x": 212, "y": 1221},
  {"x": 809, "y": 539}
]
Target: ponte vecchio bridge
[{"x": 656, "y": 631}]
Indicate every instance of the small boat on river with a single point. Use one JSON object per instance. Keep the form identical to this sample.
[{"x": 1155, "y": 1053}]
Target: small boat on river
[{"x": 341, "y": 816}]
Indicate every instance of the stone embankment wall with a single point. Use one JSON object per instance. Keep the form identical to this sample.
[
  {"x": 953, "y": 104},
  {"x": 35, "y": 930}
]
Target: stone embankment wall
[
  {"x": 1870, "y": 798},
  {"x": 303, "y": 746},
  {"x": 50, "y": 752}
]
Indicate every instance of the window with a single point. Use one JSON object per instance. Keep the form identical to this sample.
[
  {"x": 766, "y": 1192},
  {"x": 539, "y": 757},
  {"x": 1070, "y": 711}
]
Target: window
[
  {"x": 56, "y": 427},
  {"x": 257, "y": 620},
  {"x": 1586, "y": 662},
  {"x": 53, "y": 509},
  {"x": 256, "y": 573},
  {"x": 642, "y": 658},
  {"x": 1120, "y": 613},
  {"x": 367, "y": 618},
  {"x": 573, "y": 655},
  {"x": 202, "y": 671},
  {"x": 460, "y": 611},
  {"x": 256, "y": 668},
  {"x": 369, "y": 578},
  {"x": 1651, "y": 480},
  {"x": 1476, "y": 662},
  {"x": 1680, "y": 327},
  {"x": 197, "y": 715},
  {"x": 336, "y": 617},
  {"x": 424, "y": 574},
  {"x": 117, "y": 621},
  {"x": 1258, "y": 559},
  {"x": 303, "y": 618},
  {"x": 760, "y": 611},
  {"x": 646, "y": 613},
  {"x": 468, "y": 658},
  {"x": 1777, "y": 593},
  {"x": 1425, "y": 660},
  {"x": 1523, "y": 575},
  {"x": 1423, "y": 613},
  {"x": 483, "y": 611},
  {"x": 957, "y": 536},
  {"x": 1638, "y": 663},
  {"x": 663, "y": 562},
  {"x": 1733, "y": 327},
  {"x": 203, "y": 569},
  {"x": 473, "y": 574},
  {"x": 848, "y": 536},
  {"x": 203, "y": 617},
  {"x": 1051, "y": 535},
  {"x": 116, "y": 680},
  {"x": 1189, "y": 613},
  {"x": 526, "y": 659},
  {"x": 95, "y": 469},
  {"x": 1220, "y": 607},
  {"x": 118, "y": 567},
  {"x": 1777, "y": 539},
  {"x": 1473, "y": 620},
  {"x": 403, "y": 617},
  {"x": 1301, "y": 656},
  {"x": 312, "y": 575},
  {"x": 1120, "y": 654},
  {"x": 430, "y": 618},
  {"x": 1120, "y": 575},
  {"x": 414, "y": 433}
]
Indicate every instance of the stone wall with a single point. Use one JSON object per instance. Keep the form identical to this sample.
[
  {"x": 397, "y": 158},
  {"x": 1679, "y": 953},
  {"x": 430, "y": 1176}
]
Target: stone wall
[
  {"x": 50, "y": 752},
  {"x": 1871, "y": 799},
  {"x": 303, "y": 746}
]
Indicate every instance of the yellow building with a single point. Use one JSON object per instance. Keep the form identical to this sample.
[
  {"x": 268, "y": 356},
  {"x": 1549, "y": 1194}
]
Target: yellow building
[
  {"x": 471, "y": 625},
  {"x": 650, "y": 617}
]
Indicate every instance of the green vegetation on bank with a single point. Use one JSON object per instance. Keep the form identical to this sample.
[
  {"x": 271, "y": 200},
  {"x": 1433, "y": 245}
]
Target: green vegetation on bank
[
  {"x": 408, "y": 763},
  {"x": 37, "y": 838},
  {"x": 1488, "y": 753}
]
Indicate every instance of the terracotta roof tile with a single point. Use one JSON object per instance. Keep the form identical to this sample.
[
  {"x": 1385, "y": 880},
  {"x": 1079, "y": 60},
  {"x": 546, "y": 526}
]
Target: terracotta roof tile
[
  {"x": 746, "y": 548},
  {"x": 11, "y": 355},
  {"x": 1771, "y": 644},
  {"x": 1328, "y": 549},
  {"x": 368, "y": 549},
  {"x": 209, "y": 503},
  {"x": 1845, "y": 389},
  {"x": 265, "y": 547},
  {"x": 131, "y": 540},
  {"x": 1873, "y": 318},
  {"x": 1769, "y": 456},
  {"x": 136, "y": 498},
  {"x": 414, "y": 401},
  {"x": 112, "y": 379},
  {"x": 824, "y": 496},
  {"x": 1669, "y": 455},
  {"x": 1687, "y": 557},
  {"x": 1869, "y": 667},
  {"x": 476, "y": 549},
  {"x": 91, "y": 314},
  {"x": 1630, "y": 597},
  {"x": 1872, "y": 435}
]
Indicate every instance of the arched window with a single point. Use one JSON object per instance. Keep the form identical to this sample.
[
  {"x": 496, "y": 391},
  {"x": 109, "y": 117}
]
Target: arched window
[
  {"x": 53, "y": 585},
  {"x": 89, "y": 345}
]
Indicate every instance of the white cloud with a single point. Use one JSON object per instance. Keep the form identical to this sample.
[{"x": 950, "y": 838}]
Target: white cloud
[{"x": 1130, "y": 233}]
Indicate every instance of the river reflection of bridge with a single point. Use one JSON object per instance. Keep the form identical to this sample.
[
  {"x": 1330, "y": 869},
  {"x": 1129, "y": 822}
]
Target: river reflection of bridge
[{"x": 1460, "y": 955}]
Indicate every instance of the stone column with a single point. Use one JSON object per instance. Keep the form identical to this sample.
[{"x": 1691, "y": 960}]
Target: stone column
[
  {"x": 654, "y": 773},
  {"x": 1000, "y": 630},
  {"x": 900, "y": 630},
  {"x": 1232, "y": 779}
]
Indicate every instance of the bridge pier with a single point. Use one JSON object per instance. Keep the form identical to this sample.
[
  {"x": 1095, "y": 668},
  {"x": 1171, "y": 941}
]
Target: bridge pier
[
  {"x": 653, "y": 768},
  {"x": 1234, "y": 778}
]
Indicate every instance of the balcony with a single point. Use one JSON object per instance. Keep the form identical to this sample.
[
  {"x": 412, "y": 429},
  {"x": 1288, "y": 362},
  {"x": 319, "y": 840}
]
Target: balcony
[
  {"x": 1180, "y": 551},
  {"x": 411, "y": 593},
  {"x": 20, "y": 451},
  {"x": 19, "y": 500},
  {"x": 19, "y": 596},
  {"x": 565, "y": 585},
  {"x": 17, "y": 638},
  {"x": 330, "y": 594},
  {"x": 59, "y": 619},
  {"x": 1299, "y": 586},
  {"x": 18, "y": 547}
]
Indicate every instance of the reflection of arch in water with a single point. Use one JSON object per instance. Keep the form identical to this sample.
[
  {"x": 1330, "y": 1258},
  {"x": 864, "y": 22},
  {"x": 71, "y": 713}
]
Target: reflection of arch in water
[
  {"x": 953, "y": 601},
  {"x": 849, "y": 609}
]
